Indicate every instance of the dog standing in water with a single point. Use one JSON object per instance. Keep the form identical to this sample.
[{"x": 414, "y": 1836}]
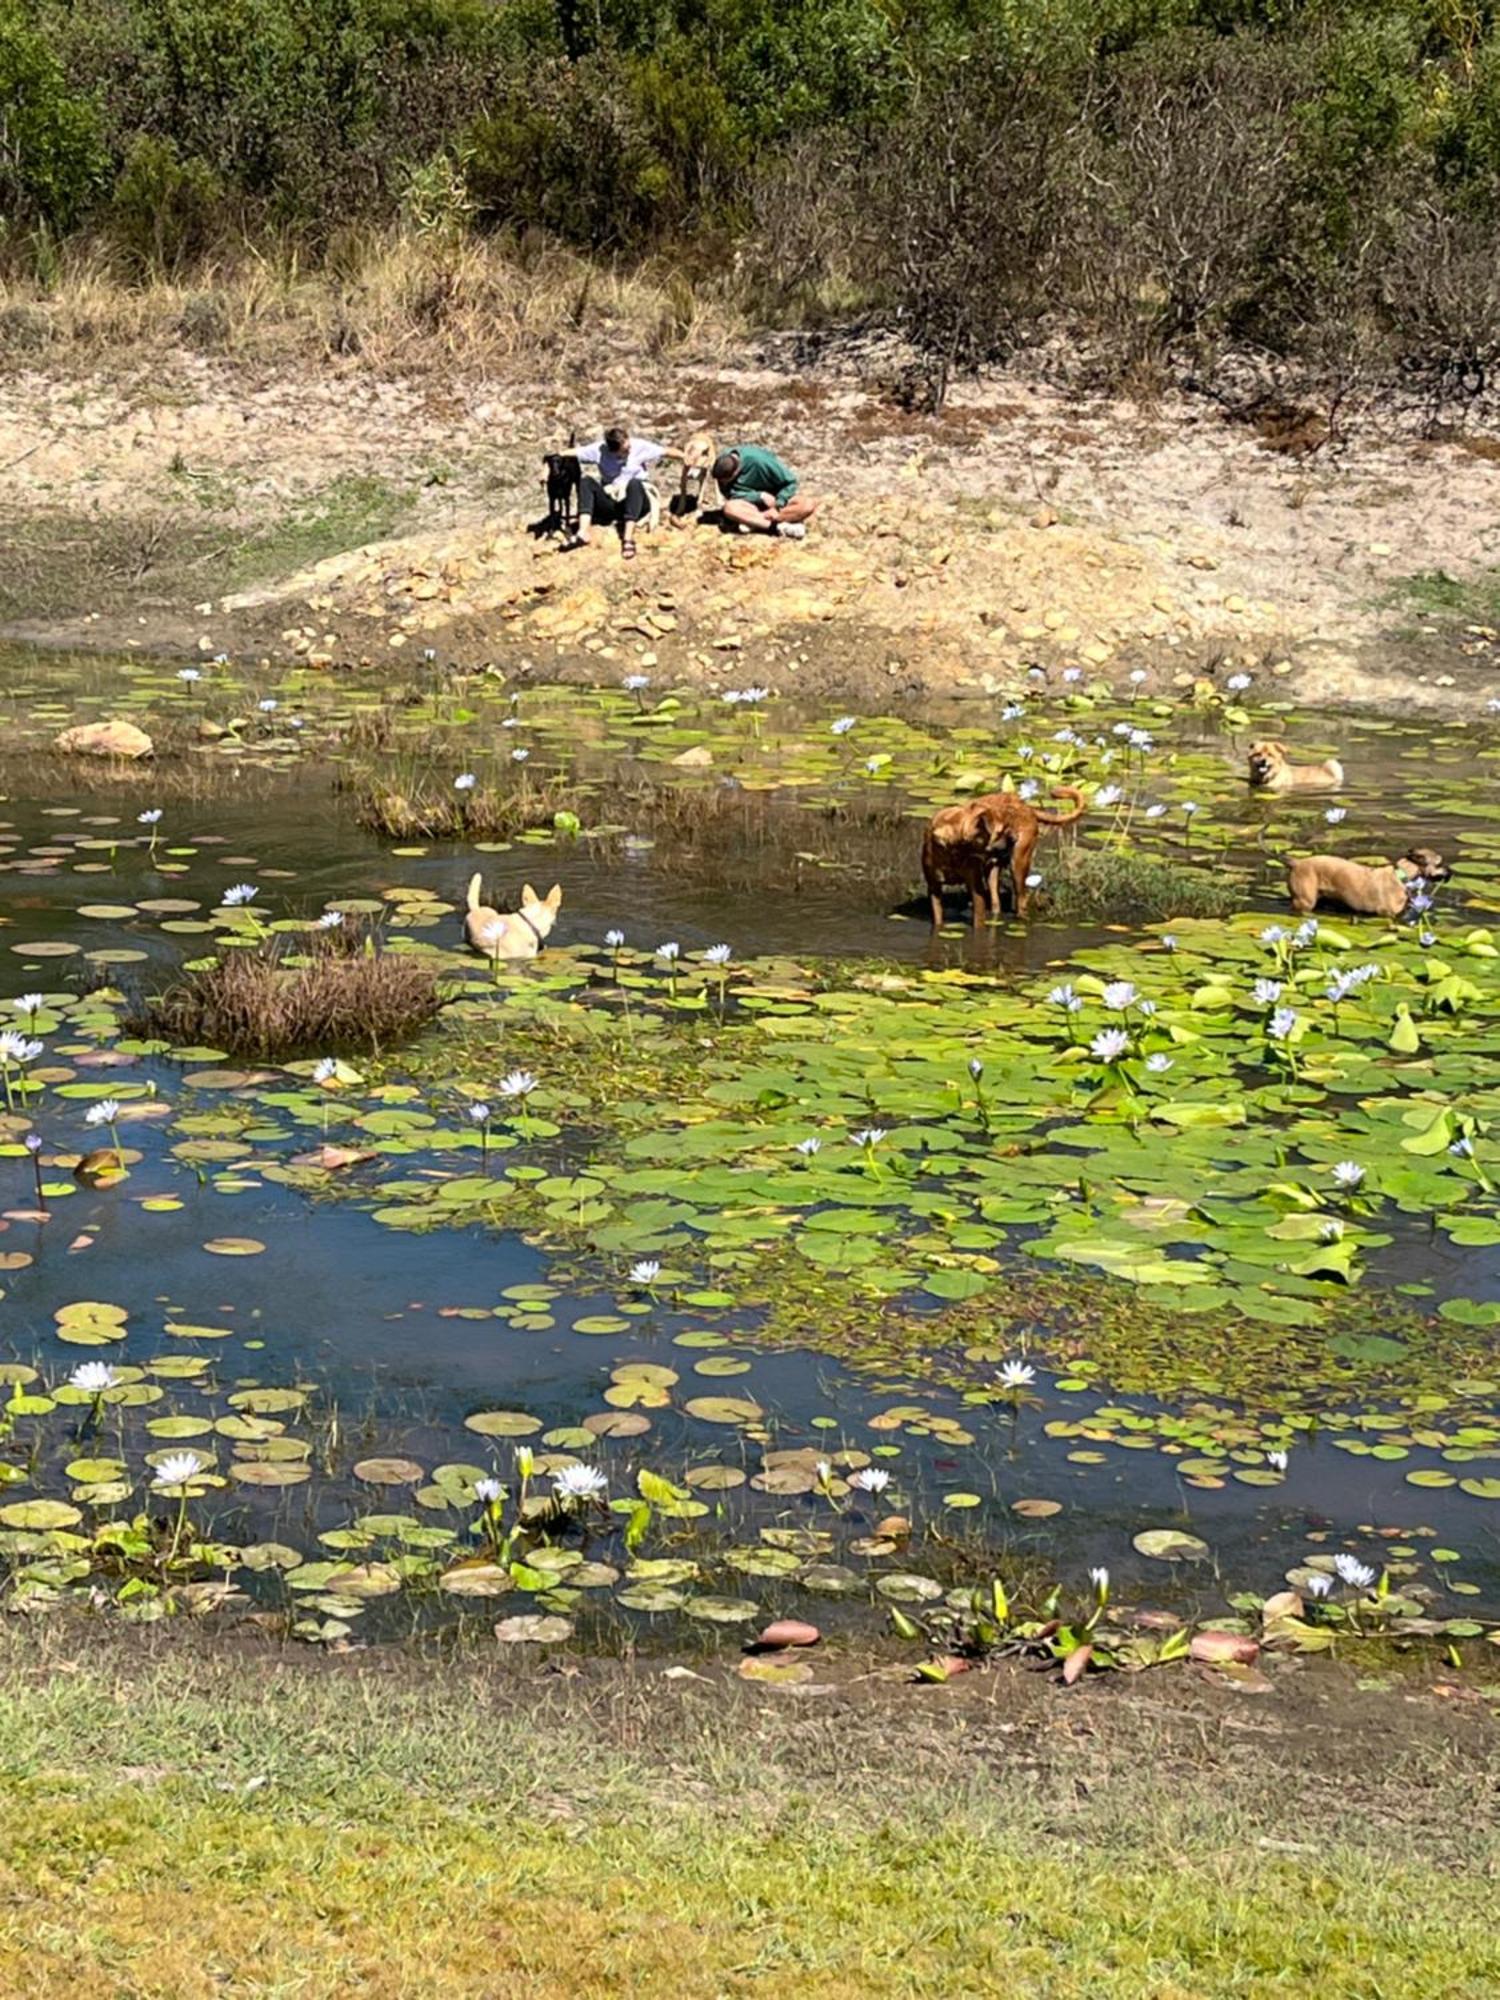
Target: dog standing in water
[
  {"x": 970, "y": 844},
  {"x": 1369, "y": 892},
  {"x": 510, "y": 933}
]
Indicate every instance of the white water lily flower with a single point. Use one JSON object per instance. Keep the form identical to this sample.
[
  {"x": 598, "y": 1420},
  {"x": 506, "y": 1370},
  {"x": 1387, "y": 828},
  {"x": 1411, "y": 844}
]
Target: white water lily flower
[
  {"x": 1305, "y": 932},
  {"x": 870, "y": 1479},
  {"x": 1266, "y": 992},
  {"x": 873, "y": 764},
  {"x": 633, "y": 683},
  {"x": 1348, "y": 1173},
  {"x": 645, "y": 1271},
  {"x": 1358, "y": 1575},
  {"x": 1158, "y": 1064},
  {"x": 1028, "y": 788},
  {"x": 1108, "y": 795},
  {"x": 1277, "y": 1460},
  {"x": 479, "y": 1114},
  {"x": 807, "y": 1147},
  {"x": 1335, "y": 814},
  {"x": 1016, "y": 1375},
  {"x": 1237, "y": 683},
  {"x": 93, "y": 1377},
  {"x": 488, "y": 1491},
  {"x": 519, "y": 1083},
  {"x": 976, "y": 1068},
  {"x": 1033, "y": 881},
  {"x": 177, "y": 1468},
  {"x": 669, "y": 951},
  {"x": 1099, "y": 1578},
  {"x": 149, "y": 818},
  {"x": 1282, "y": 1023},
  {"x": 824, "y": 1470},
  {"x": 268, "y": 706},
  {"x": 755, "y": 694},
  {"x": 1141, "y": 739},
  {"x": 465, "y": 781},
  {"x": 1168, "y": 941},
  {"x": 29, "y": 1003},
  {"x": 1155, "y": 812},
  {"x": 1109, "y": 1044},
  {"x": 525, "y": 1461},
  {"x": 189, "y": 674},
  {"x": 1119, "y": 995},
  {"x": 17, "y": 1048},
  {"x": 844, "y": 724},
  {"x": 325, "y": 1071},
  {"x": 519, "y": 756},
  {"x": 1066, "y": 998},
  {"x": 331, "y": 920},
  {"x": 1072, "y": 673},
  {"x": 868, "y": 1135},
  {"x": 1274, "y": 934},
  {"x": 717, "y": 954},
  {"x": 239, "y": 892},
  {"x": 579, "y": 1482},
  {"x": 1137, "y": 675},
  {"x": 1319, "y": 1585},
  {"x": 614, "y": 939},
  {"x": 105, "y": 1112}
]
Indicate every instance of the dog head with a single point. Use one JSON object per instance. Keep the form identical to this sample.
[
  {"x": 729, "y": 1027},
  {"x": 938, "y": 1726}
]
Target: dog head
[
  {"x": 1426, "y": 862},
  {"x": 541, "y": 911},
  {"x": 1265, "y": 760}
]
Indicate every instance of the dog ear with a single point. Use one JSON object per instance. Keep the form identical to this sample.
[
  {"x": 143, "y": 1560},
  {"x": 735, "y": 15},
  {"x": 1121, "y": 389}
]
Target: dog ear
[
  {"x": 528, "y": 895},
  {"x": 554, "y": 896},
  {"x": 982, "y": 827}
]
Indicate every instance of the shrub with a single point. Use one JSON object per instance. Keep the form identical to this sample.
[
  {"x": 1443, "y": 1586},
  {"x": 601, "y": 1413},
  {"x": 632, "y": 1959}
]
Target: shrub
[
  {"x": 164, "y": 209},
  {"x": 52, "y": 159},
  {"x": 281, "y": 998},
  {"x": 1124, "y": 885}
]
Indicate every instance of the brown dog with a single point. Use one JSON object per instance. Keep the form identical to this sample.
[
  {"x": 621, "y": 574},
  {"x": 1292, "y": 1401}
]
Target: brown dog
[
  {"x": 970, "y": 844},
  {"x": 1369, "y": 892},
  {"x": 1271, "y": 770}
]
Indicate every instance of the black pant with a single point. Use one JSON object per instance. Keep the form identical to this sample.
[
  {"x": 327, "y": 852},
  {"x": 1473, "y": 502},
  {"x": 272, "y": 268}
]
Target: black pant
[{"x": 595, "y": 504}]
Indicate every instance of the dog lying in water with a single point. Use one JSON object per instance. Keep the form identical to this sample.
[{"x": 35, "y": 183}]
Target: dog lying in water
[
  {"x": 510, "y": 933},
  {"x": 1271, "y": 770},
  {"x": 970, "y": 844},
  {"x": 1369, "y": 892}
]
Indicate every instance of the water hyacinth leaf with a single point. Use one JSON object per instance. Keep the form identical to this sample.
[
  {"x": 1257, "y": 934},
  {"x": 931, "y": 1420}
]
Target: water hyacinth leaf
[
  {"x": 389, "y": 1471},
  {"x": 1170, "y": 1545},
  {"x": 534, "y": 1629}
]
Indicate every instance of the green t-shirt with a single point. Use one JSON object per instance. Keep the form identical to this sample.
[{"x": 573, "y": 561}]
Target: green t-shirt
[{"x": 761, "y": 471}]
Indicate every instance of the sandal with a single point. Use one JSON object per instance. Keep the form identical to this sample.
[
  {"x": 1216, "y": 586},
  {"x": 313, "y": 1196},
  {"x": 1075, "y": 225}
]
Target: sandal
[
  {"x": 627, "y": 551},
  {"x": 571, "y": 542}
]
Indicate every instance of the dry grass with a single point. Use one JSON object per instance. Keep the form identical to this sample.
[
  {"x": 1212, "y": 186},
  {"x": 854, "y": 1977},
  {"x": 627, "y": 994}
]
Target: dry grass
[
  {"x": 720, "y": 835},
  {"x": 388, "y": 300},
  {"x": 318, "y": 995}
]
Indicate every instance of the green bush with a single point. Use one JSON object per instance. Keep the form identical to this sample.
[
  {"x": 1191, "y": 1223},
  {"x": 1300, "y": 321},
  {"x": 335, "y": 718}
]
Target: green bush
[
  {"x": 164, "y": 209},
  {"x": 52, "y": 159}
]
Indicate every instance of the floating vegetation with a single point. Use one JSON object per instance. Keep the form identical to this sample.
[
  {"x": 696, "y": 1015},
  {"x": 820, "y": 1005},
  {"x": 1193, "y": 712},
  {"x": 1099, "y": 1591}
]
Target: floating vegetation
[{"x": 861, "y": 1274}]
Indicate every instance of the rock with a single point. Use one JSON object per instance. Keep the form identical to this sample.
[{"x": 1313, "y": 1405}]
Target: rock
[
  {"x": 699, "y": 758},
  {"x": 106, "y": 739},
  {"x": 789, "y": 1632},
  {"x": 1044, "y": 517},
  {"x": 1218, "y": 1649}
]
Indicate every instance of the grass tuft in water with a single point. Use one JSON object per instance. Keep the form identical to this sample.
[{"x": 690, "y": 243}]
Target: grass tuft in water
[
  {"x": 1123, "y": 885},
  {"x": 289, "y": 997}
]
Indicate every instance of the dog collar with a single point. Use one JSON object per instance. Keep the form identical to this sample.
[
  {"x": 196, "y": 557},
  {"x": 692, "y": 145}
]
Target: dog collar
[{"x": 540, "y": 940}]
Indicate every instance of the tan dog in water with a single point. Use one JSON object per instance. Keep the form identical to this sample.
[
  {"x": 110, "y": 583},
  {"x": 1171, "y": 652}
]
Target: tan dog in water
[
  {"x": 1369, "y": 892},
  {"x": 970, "y": 844},
  {"x": 1271, "y": 770},
  {"x": 510, "y": 933}
]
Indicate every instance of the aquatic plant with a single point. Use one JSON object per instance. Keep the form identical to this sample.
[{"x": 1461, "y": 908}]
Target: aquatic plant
[{"x": 330, "y": 989}]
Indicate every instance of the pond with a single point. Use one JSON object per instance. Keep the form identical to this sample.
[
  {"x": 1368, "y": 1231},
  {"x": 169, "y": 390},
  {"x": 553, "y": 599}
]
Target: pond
[{"x": 861, "y": 1266}]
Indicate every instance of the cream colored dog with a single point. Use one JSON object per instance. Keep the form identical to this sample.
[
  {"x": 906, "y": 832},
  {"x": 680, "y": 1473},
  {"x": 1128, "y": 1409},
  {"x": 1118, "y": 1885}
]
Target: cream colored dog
[
  {"x": 698, "y": 455},
  {"x": 1271, "y": 770},
  {"x": 511, "y": 933},
  {"x": 1369, "y": 892}
]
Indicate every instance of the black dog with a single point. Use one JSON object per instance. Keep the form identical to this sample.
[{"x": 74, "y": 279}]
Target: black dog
[{"x": 563, "y": 475}]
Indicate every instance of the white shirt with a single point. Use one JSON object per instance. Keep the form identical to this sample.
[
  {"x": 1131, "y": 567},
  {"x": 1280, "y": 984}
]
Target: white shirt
[{"x": 633, "y": 463}]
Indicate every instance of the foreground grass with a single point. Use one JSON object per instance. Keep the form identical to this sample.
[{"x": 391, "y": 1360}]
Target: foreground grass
[{"x": 180, "y": 1824}]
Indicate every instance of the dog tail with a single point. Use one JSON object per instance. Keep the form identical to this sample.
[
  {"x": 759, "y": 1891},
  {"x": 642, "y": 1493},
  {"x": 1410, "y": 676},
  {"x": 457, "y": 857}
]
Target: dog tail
[
  {"x": 1065, "y": 819},
  {"x": 472, "y": 899},
  {"x": 1336, "y": 770}
]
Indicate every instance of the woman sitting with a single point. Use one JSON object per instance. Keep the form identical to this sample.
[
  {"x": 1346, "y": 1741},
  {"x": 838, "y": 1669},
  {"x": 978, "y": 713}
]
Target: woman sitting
[{"x": 612, "y": 488}]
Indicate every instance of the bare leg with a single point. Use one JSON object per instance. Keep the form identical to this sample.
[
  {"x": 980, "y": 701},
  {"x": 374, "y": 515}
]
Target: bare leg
[{"x": 746, "y": 514}]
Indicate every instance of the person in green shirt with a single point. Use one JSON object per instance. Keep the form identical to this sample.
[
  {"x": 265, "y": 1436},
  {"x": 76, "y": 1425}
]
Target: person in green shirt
[{"x": 760, "y": 492}]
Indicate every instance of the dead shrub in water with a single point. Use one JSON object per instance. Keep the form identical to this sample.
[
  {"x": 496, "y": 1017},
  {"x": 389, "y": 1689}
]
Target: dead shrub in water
[{"x": 284, "y": 997}]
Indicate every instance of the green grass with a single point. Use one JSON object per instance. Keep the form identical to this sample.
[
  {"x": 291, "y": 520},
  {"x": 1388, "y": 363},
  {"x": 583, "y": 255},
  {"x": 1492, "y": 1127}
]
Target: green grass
[
  {"x": 1126, "y": 885},
  {"x": 1435, "y": 594},
  {"x": 181, "y": 1823}
]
